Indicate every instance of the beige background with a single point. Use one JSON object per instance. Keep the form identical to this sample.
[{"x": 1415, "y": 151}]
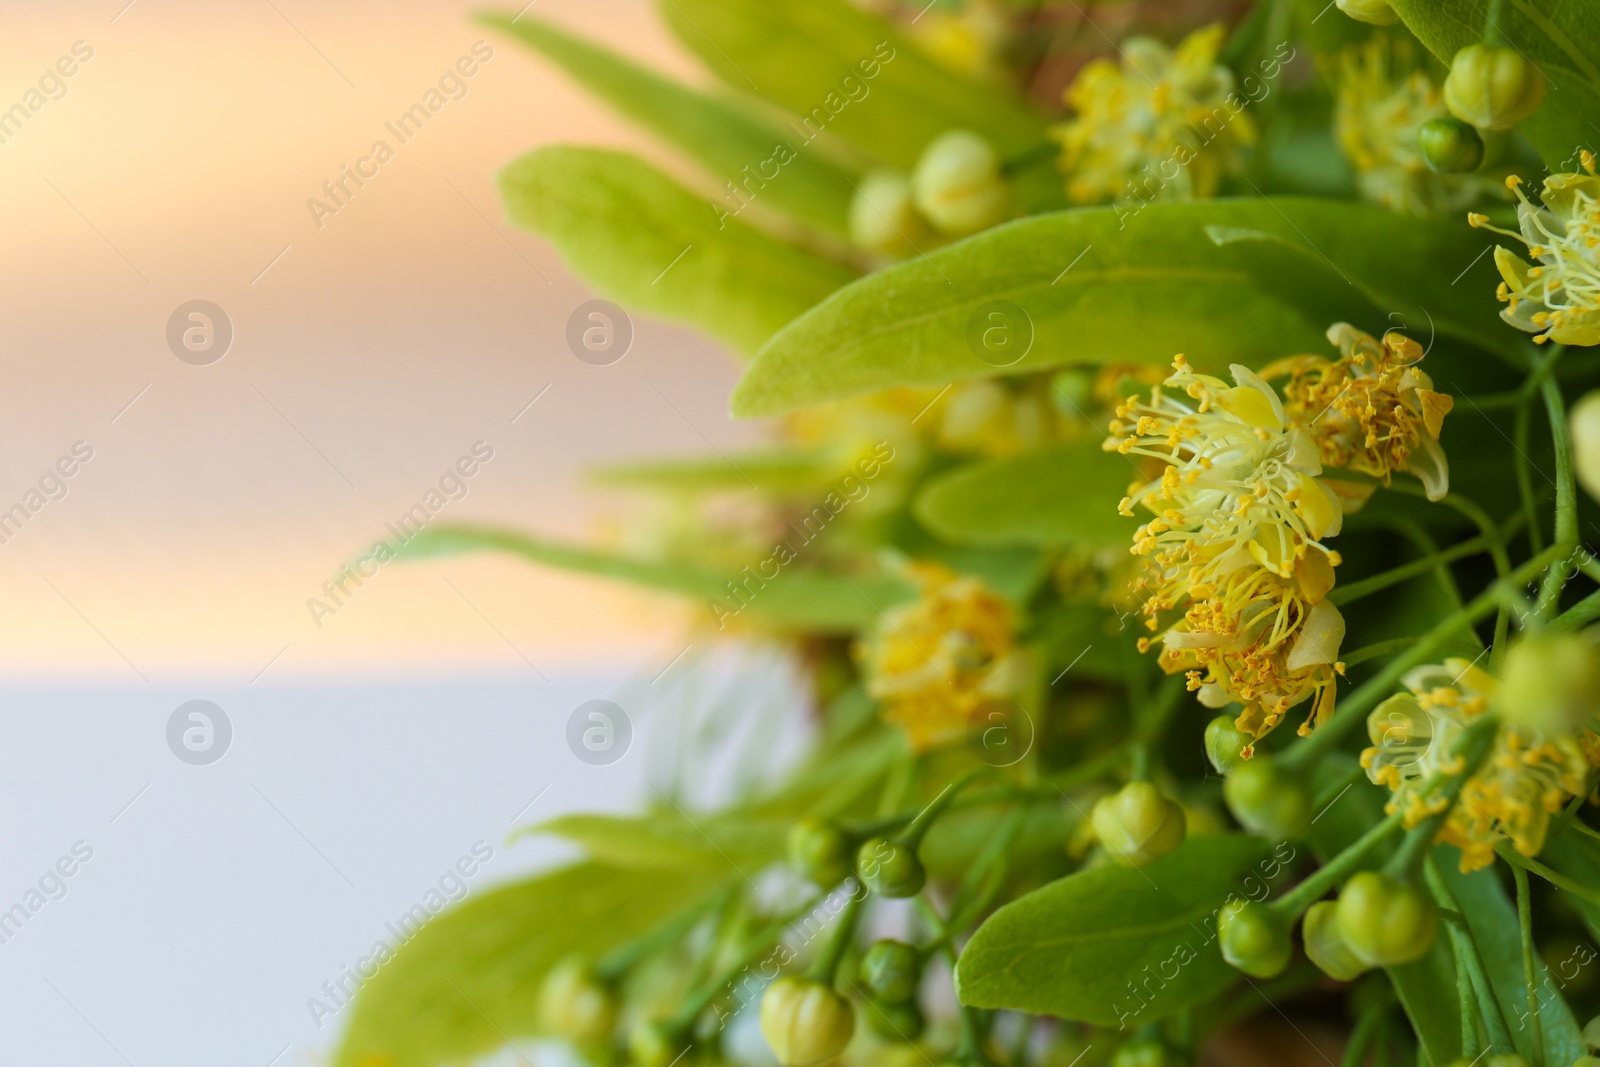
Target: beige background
[{"x": 368, "y": 354}]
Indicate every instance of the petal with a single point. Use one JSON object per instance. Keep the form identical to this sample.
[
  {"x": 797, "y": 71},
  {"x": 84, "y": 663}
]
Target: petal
[
  {"x": 1431, "y": 467},
  {"x": 1320, "y": 637},
  {"x": 1263, "y": 409}
]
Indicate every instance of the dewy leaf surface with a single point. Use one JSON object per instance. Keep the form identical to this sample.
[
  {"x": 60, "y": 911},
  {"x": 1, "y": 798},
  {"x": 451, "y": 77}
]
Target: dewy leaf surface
[
  {"x": 648, "y": 243},
  {"x": 1114, "y": 946},
  {"x": 1232, "y": 281}
]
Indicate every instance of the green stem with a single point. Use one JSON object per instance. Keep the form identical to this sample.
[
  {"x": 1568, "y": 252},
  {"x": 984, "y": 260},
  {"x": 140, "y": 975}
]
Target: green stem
[
  {"x": 1330, "y": 874},
  {"x": 1519, "y": 435},
  {"x": 826, "y": 965},
  {"x": 914, "y": 833},
  {"x": 1355, "y": 1053},
  {"x": 1492, "y": 34},
  {"x": 1353, "y": 709},
  {"x": 1469, "y": 959},
  {"x": 1555, "y": 878},
  {"x": 1344, "y": 594},
  {"x": 614, "y": 964},
  {"x": 1530, "y": 974},
  {"x": 1566, "y": 495},
  {"x": 1581, "y": 613}
]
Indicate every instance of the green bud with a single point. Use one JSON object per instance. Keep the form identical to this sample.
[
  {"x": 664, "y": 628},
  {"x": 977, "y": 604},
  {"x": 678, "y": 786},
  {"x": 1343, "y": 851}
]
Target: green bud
[
  {"x": 1384, "y": 921},
  {"x": 883, "y": 218},
  {"x": 1137, "y": 824},
  {"x": 805, "y": 1022},
  {"x": 1591, "y": 1033},
  {"x": 1072, "y": 393},
  {"x": 895, "y": 1022},
  {"x": 1267, "y": 799},
  {"x": 1224, "y": 742},
  {"x": 957, "y": 184},
  {"x": 1372, "y": 12},
  {"x": 820, "y": 851},
  {"x": 1254, "y": 939},
  {"x": 1143, "y": 1052},
  {"x": 575, "y": 1004},
  {"x": 1492, "y": 86},
  {"x": 1586, "y": 1061},
  {"x": 1325, "y": 946},
  {"x": 1450, "y": 146},
  {"x": 892, "y": 971},
  {"x": 655, "y": 1044},
  {"x": 1551, "y": 682},
  {"x": 890, "y": 869},
  {"x": 1583, "y": 423}
]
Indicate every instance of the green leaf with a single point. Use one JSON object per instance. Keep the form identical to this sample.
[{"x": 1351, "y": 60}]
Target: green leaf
[
  {"x": 648, "y": 243},
  {"x": 806, "y": 600},
  {"x": 847, "y": 72},
  {"x": 724, "y": 137},
  {"x": 734, "y": 846},
  {"x": 776, "y": 470},
  {"x": 468, "y": 981},
  {"x": 1110, "y": 945},
  {"x": 1226, "y": 281},
  {"x": 1063, "y": 495},
  {"x": 1562, "y": 39}
]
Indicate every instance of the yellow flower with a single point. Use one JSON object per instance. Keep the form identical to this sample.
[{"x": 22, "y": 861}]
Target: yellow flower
[
  {"x": 1383, "y": 99},
  {"x": 1241, "y": 513},
  {"x": 1371, "y": 410},
  {"x": 1558, "y": 298},
  {"x": 1528, "y": 776},
  {"x": 936, "y": 661},
  {"x": 1162, "y": 123}
]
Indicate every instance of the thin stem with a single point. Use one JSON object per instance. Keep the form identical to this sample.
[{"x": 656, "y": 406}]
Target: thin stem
[
  {"x": 1468, "y": 958},
  {"x": 1519, "y": 435},
  {"x": 1333, "y": 872},
  {"x": 1355, "y": 1053},
  {"x": 826, "y": 965},
  {"x": 913, "y": 834},
  {"x": 1566, "y": 494},
  {"x": 1530, "y": 974},
  {"x": 1555, "y": 878},
  {"x": 1406, "y": 571}
]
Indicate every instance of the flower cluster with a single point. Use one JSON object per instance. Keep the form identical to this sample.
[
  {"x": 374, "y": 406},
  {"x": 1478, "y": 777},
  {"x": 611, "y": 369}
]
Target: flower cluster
[
  {"x": 1158, "y": 105},
  {"x": 1242, "y": 511},
  {"x": 1528, "y": 776},
  {"x": 1557, "y": 298},
  {"x": 937, "y": 660},
  {"x": 1384, "y": 97}
]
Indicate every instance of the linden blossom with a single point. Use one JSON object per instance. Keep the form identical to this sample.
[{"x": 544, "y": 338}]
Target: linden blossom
[{"x": 451, "y": 86}]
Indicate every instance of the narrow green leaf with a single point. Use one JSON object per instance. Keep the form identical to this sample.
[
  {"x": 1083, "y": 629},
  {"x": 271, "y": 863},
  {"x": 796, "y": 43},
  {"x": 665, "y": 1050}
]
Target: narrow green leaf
[
  {"x": 734, "y": 846},
  {"x": 844, "y": 71},
  {"x": 730, "y": 141},
  {"x": 1562, "y": 39},
  {"x": 468, "y": 981},
  {"x": 809, "y": 600},
  {"x": 651, "y": 245},
  {"x": 1110, "y": 945},
  {"x": 1063, "y": 495},
  {"x": 1115, "y": 285},
  {"x": 777, "y": 470}
]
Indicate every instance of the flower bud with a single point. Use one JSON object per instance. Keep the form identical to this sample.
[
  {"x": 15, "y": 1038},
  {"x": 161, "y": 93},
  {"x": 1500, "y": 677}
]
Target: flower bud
[
  {"x": 1255, "y": 939},
  {"x": 1143, "y": 1052},
  {"x": 1325, "y": 946},
  {"x": 1372, "y": 12},
  {"x": 883, "y": 218},
  {"x": 820, "y": 851},
  {"x": 1383, "y": 921},
  {"x": 1583, "y": 422},
  {"x": 1137, "y": 824},
  {"x": 957, "y": 184},
  {"x": 575, "y": 1004},
  {"x": 1492, "y": 86},
  {"x": 805, "y": 1022},
  {"x": 892, "y": 971},
  {"x": 1224, "y": 742},
  {"x": 1450, "y": 146},
  {"x": 1267, "y": 799},
  {"x": 656, "y": 1044},
  {"x": 1551, "y": 682},
  {"x": 890, "y": 869},
  {"x": 895, "y": 1022}
]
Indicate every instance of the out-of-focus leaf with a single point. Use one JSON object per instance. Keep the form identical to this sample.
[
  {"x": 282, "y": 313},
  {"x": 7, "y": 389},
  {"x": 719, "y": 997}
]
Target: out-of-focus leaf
[
  {"x": 777, "y": 470},
  {"x": 1562, "y": 39},
  {"x": 734, "y": 845},
  {"x": 648, "y": 243},
  {"x": 842, "y": 70},
  {"x": 810, "y": 600},
  {"x": 724, "y": 137},
  {"x": 1071, "y": 948},
  {"x": 1228, "y": 281},
  {"x": 466, "y": 982},
  {"x": 1063, "y": 495}
]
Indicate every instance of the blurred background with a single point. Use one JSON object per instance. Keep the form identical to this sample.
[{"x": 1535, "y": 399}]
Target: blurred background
[{"x": 364, "y": 750}]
